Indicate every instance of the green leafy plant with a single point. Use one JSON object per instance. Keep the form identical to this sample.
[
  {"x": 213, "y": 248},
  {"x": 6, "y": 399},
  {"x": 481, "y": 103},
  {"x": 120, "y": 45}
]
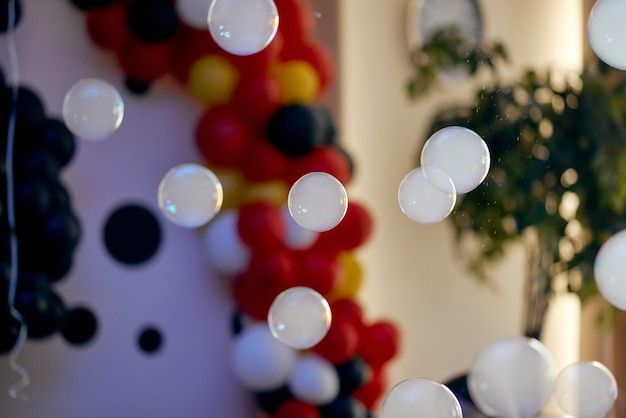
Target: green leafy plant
[{"x": 557, "y": 181}]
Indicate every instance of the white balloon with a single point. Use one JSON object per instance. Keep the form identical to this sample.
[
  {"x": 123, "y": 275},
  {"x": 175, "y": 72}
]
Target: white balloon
[
  {"x": 609, "y": 270},
  {"x": 190, "y": 195},
  {"x": 460, "y": 153},
  {"x": 317, "y": 201},
  {"x": 420, "y": 398},
  {"x": 586, "y": 390},
  {"x": 299, "y": 317},
  {"x": 243, "y": 27},
  {"x": 297, "y": 237},
  {"x": 93, "y": 109},
  {"x": 261, "y": 362},
  {"x": 194, "y": 13},
  {"x": 226, "y": 252},
  {"x": 512, "y": 377},
  {"x": 421, "y": 201},
  {"x": 314, "y": 380},
  {"x": 607, "y": 33}
]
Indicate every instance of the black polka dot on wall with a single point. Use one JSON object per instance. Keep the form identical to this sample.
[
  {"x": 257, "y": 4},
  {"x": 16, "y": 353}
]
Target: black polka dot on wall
[
  {"x": 132, "y": 234},
  {"x": 80, "y": 326},
  {"x": 150, "y": 340}
]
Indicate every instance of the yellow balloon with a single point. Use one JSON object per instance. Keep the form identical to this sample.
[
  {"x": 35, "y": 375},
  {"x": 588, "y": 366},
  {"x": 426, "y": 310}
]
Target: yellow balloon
[
  {"x": 233, "y": 184},
  {"x": 212, "y": 80},
  {"x": 299, "y": 82},
  {"x": 274, "y": 192},
  {"x": 351, "y": 279}
]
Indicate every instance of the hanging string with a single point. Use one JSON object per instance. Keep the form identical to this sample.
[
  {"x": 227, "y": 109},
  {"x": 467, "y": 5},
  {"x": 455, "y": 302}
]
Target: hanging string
[{"x": 15, "y": 391}]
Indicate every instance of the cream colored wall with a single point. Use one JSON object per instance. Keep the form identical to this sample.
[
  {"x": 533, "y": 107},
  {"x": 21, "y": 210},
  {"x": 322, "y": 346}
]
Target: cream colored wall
[{"x": 413, "y": 275}]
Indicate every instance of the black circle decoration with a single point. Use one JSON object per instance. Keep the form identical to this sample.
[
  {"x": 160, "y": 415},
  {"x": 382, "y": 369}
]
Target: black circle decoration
[
  {"x": 80, "y": 326},
  {"x": 132, "y": 234},
  {"x": 150, "y": 340}
]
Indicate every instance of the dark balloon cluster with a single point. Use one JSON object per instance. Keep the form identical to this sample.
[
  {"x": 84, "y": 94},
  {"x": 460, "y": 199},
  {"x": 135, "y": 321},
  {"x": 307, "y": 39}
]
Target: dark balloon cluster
[{"x": 47, "y": 229}]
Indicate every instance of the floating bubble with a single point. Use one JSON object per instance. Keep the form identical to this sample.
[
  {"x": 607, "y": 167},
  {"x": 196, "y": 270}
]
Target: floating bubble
[
  {"x": 609, "y": 270},
  {"x": 420, "y": 398},
  {"x": 190, "y": 195},
  {"x": 299, "y": 317},
  {"x": 512, "y": 377},
  {"x": 421, "y": 201},
  {"x": 460, "y": 153},
  {"x": 586, "y": 390},
  {"x": 243, "y": 27},
  {"x": 317, "y": 201},
  {"x": 607, "y": 33},
  {"x": 93, "y": 109}
]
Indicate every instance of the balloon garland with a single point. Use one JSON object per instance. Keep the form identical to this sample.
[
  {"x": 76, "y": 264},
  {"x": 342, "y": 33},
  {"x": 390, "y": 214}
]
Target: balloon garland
[{"x": 262, "y": 130}]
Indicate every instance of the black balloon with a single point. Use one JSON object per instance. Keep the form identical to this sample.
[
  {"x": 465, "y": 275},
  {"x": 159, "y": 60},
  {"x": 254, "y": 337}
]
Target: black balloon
[
  {"x": 9, "y": 330},
  {"x": 295, "y": 130},
  {"x": 5, "y": 24},
  {"x": 29, "y": 114},
  {"x": 43, "y": 311},
  {"x": 343, "y": 407},
  {"x": 458, "y": 386},
  {"x": 352, "y": 375},
  {"x": 152, "y": 20},
  {"x": 59, "y": 140},
  {"x": 62, "y": 233},
  {"x": 32, "y": 202},
  {"x": 236, "y": 323},
  {"x": 39, "y": 162},
  {"x": 270, "y": 401},
  {"x": 137, "y": 87},
  {"x": 80, "y": 326},
  {"x": 90, "y": 4}
]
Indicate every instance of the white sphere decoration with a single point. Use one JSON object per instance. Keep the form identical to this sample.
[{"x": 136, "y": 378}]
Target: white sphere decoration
[
  {"x": 194, "y": 13},
  {"x": 421, "y": 201},
  {"x": 296, "y": 237},
  {"x": 190, "y": 195},
  {"x": 607, "y": 33},
  {"x": 299, "y": 317},
  {"x": 260, "y": 362},
  {"x": 586, "y": 390},
  {"x": 225, "y": 251},
  {"x": 317, "y": 201},
  {"x": 243, "y": 27},
  {"x": 314, "y": 380},
  {"x": 420, "y": 398},
  {"x": 93, "y": 109},
  {"x": 460, "y": 153},
  {"x": 609, "y": 270},
  {"x": 512, "y": 377}
]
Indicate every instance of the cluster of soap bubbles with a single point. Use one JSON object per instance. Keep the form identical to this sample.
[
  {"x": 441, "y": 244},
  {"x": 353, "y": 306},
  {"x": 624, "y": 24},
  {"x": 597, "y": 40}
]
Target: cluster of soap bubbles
[
  {"x": 454, "y": 160},
  {"x": 512, "y": 377}
]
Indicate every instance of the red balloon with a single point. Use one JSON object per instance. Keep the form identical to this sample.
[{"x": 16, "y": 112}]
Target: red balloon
[
  {"x": 294, "y": 408},
  {"x": 222, "y": 136},
  {"x": 262, "y": 162},
  {"x": 372, "y": 391},
  {"x": 340, "y": 343},
  {"x": 325, "y": 159},
  {"x": 144, "y": 61},
  {"x": 317, "y": 271},
  {"x": 353, "y": 230},
  {"x": 253, "y": 296},
  {"x": 277, "y": 268},
  {"x": 260, "y": 226},
  {"x": 257, "y": 99},
  {"x": 318, "y": 56},
  {"x": 296, "y": 20},
  {"x": 191, "y": 45},
  {"x": 348, "y": 310},
  {"x": 107, "y": 27},
  {"x": 380, "y": 342}
]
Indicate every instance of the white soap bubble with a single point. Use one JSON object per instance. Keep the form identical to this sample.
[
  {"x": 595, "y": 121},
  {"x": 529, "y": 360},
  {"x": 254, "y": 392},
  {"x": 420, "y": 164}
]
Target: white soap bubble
[
  {"x": 243, "y": 27},
  {"x": 317, "y": 201},
  {"x": 261, "y": 362},
  {"x": 93, "y": 109},
  {"x": 421, "y": 201},
  {"x": 194, "y": 13},
  {"x": 586, "y": 390},
  {"x": 607, "y": 33},
  {"x": 420, "y": 398},
  {"x": 314, "y": 380},
  {"x": 460, "y": 153},
  {"x": 512, "y": 377},
  {"x": 609, "y": 270},
  {"x": 190, "y": 195},
  {"x": 299, "y": 317}
]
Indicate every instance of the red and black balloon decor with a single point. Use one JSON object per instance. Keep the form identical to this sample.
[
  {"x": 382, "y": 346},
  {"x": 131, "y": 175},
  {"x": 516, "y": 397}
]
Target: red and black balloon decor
[{"x": 263, "y": 127}]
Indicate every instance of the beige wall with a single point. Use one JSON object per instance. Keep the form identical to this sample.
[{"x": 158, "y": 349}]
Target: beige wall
[{"x": 413, "y": 275}]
